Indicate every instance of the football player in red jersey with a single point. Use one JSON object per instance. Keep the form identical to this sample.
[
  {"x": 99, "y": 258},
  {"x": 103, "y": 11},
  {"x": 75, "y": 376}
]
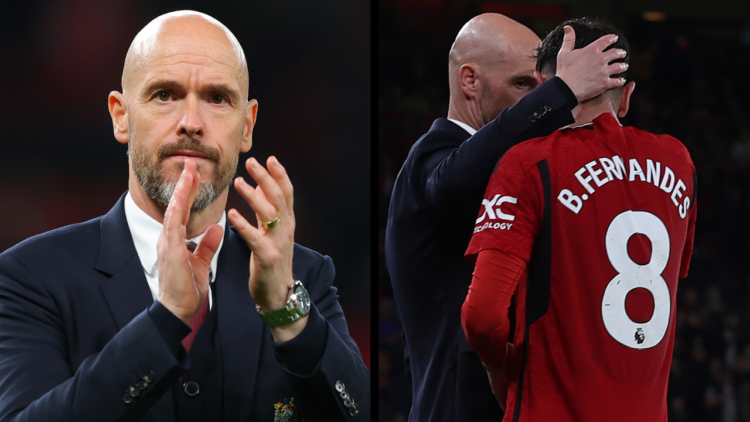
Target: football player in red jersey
[{"x": 590, "y": 227}]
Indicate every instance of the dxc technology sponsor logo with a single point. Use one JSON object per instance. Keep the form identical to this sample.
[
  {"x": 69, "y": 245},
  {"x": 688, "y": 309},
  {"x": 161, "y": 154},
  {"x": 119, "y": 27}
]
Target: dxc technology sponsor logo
[{"x": 491, "y": 211}]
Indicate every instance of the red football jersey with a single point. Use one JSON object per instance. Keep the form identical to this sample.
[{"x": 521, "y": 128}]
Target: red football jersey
[{"x": 604, "y": 215}]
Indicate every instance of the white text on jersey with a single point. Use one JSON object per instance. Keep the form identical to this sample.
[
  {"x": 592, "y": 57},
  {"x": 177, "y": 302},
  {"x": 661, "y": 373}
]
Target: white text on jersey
[
  {"x": 615, "y": 167},
  {"x": 491, "y": 211},
  {"x": 491, "y": 208}
]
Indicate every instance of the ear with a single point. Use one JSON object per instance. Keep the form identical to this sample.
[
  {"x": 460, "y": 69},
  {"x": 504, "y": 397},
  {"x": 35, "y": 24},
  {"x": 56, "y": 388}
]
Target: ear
[
  {"x": 468, "y": 79},
  {"x": 118, "y": 110},
  {"x": 624, "y": 106},
  {"x": 540, "y": 77},
  {"x": 247, "y": 131}
]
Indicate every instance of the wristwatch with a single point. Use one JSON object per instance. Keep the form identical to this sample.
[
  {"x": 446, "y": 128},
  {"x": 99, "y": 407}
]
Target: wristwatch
[{"x": 296, "y": 307}]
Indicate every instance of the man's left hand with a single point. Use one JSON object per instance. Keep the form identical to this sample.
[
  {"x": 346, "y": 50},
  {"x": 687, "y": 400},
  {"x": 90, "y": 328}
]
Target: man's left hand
[{"x": 272, "y": 248}]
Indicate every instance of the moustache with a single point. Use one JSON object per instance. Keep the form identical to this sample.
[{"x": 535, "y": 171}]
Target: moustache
[{"x": 189, "y": 144}]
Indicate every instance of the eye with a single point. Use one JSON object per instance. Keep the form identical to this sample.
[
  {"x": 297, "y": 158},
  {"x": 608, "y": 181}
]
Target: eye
[
  {"x": 521, "y": 84},
  {"x": 218, "y": 99},
  {"x": 163, "y": 96}
]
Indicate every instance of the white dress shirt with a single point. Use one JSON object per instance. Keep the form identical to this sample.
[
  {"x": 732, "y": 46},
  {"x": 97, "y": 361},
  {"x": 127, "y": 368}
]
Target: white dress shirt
[
  {"x": 145, "y": 231},
  {"x": 464, "y": 126}
]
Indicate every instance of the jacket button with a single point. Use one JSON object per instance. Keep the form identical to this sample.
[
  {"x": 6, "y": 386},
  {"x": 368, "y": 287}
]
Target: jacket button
[
  {"x": 340, "y": 386},
  {"x": 127, "y": 398},
  {"x": 532, "y": 119},
  {"x": 149, "y": 377},
  {"x": 547, "y": 108},
  {"x": 348, "y": 402},
  {"x": 353, "y": 410},
  {"x": 344, "y": 395},
  {"x": 191, "y": 388},
  {"x": 134, "y": 391}
]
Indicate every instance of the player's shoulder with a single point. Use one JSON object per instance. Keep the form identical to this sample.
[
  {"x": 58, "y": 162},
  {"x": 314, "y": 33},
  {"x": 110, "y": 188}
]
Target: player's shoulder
[
  {"x": 519, "y": 165},
  {"x": 527, "y": 154},
  {"x": 666, "y": 144}
]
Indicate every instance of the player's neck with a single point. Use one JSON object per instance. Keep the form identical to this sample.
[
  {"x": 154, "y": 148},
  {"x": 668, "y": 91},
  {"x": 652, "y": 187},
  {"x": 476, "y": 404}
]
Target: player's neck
[{"x": 586, "y": 113}]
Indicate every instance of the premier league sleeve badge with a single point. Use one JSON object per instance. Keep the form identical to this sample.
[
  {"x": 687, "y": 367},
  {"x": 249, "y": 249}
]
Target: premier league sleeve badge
[{"x": 285, "y": 411}]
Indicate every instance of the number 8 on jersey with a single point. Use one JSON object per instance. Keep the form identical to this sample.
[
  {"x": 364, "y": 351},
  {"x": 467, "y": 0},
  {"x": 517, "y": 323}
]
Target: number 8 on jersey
[{"x": 632, "y": 275}]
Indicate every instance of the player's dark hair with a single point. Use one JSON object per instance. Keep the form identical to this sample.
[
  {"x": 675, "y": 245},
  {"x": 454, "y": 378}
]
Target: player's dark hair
[{"x": 587, "y": 31}]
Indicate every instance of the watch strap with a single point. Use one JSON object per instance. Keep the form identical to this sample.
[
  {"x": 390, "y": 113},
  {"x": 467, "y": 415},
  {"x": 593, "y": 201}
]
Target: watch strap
[{"x": 286, "y": 315}]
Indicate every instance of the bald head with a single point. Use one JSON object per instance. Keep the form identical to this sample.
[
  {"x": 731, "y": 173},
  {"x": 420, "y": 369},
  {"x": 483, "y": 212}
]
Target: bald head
[
  {"x": 169, "y": 33},
  {"x": 490, "y": 39},
  {"x": 491, "y": 54},
  {"x": 185, "y": 89}
]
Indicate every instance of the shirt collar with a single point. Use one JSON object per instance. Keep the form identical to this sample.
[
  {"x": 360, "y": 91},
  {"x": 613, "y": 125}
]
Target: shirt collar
[
  {"x": 464, "y": 126},
  {"x": 571, "y": 126},
  {"x": 145, "y": 232}
]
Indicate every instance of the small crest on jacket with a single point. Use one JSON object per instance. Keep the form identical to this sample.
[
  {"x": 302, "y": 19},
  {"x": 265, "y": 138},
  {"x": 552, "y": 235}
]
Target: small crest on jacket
[{"x": 285, "y": 411}]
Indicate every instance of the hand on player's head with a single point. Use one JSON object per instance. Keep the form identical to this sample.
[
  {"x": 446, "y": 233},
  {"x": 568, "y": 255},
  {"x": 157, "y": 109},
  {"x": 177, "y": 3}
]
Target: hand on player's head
[
  {"x": 588, "y": 71},
  {"x": 589, "y": 55}
]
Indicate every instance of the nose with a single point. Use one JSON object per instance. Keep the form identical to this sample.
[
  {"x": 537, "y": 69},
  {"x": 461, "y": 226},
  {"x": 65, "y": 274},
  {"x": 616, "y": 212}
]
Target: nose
[{"x": 191, "y": 122}]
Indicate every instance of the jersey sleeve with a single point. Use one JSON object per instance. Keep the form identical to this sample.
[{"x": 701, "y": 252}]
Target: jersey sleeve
[
  {"x": 687, "y": 251},
  {"x": 484, "y": 314},
  {"x": 510, "y": 215}
]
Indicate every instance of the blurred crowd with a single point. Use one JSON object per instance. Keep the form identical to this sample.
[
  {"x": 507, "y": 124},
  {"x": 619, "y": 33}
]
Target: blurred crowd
[{"x": 691, "y": 84}]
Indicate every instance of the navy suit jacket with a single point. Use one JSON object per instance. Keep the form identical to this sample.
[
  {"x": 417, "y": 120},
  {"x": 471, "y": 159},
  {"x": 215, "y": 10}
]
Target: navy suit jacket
[
  {"x": 78, "y": 327},
  {"x": 434, "y": 203}
]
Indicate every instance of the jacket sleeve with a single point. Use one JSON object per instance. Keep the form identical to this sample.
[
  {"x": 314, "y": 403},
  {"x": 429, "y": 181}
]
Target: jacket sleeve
[
  {"x": 38, "y": 383},
  {"x": 456, "y": 177},
  {"x": 323, "y": 365}
]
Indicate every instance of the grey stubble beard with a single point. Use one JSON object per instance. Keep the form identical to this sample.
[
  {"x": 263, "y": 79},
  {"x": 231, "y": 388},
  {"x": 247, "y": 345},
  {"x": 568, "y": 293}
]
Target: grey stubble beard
[{"x": 153, "y": 182}]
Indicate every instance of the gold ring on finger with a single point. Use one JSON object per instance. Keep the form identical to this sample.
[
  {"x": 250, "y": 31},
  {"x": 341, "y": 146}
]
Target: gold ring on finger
[{"x": 271, "y": 224}]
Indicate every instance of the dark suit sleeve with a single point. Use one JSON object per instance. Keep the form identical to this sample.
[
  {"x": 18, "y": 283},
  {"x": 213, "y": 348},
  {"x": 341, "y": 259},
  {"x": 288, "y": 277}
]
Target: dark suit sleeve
[
  {"x": 324, "y": 356},
  {"x": 38, "y": 383},
  {"x": 457, "y": 177}
]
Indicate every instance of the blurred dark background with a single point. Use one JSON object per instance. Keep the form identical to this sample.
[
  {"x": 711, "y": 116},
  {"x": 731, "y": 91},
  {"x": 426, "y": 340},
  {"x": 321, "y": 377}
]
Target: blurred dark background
[
  {"x": 309, "y": 68},
  {"x": 691, "y": 63}
]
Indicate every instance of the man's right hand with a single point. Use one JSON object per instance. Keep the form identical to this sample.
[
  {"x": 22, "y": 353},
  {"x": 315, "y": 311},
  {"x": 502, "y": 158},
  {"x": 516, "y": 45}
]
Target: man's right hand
[
  {"x": 183, "y": 275},
  {"x": 586, "y": 70}
]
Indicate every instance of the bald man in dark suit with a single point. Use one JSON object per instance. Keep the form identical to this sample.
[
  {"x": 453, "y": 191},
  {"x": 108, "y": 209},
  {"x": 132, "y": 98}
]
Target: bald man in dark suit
[
  {"x": 438, "y": 193},
  {"x": 162, "y": 310}
]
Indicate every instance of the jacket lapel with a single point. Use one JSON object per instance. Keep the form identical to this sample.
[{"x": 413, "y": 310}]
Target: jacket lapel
[
  {"x": 239, "y": 327},
  {"x": 126, "y": 292}
]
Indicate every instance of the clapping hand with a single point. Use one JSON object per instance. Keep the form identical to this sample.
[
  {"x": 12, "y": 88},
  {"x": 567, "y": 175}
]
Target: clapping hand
[
  {"x": 272, "y": 242},
  {"x": 183, "y": 275}
]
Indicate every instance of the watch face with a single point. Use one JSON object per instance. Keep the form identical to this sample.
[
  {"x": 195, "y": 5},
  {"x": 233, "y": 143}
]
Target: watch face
[{"x": 303, "y": 300}]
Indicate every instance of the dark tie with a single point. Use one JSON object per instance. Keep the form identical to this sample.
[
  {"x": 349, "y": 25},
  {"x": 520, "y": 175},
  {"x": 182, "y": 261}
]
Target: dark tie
[{"x": 200, "y": 316}]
